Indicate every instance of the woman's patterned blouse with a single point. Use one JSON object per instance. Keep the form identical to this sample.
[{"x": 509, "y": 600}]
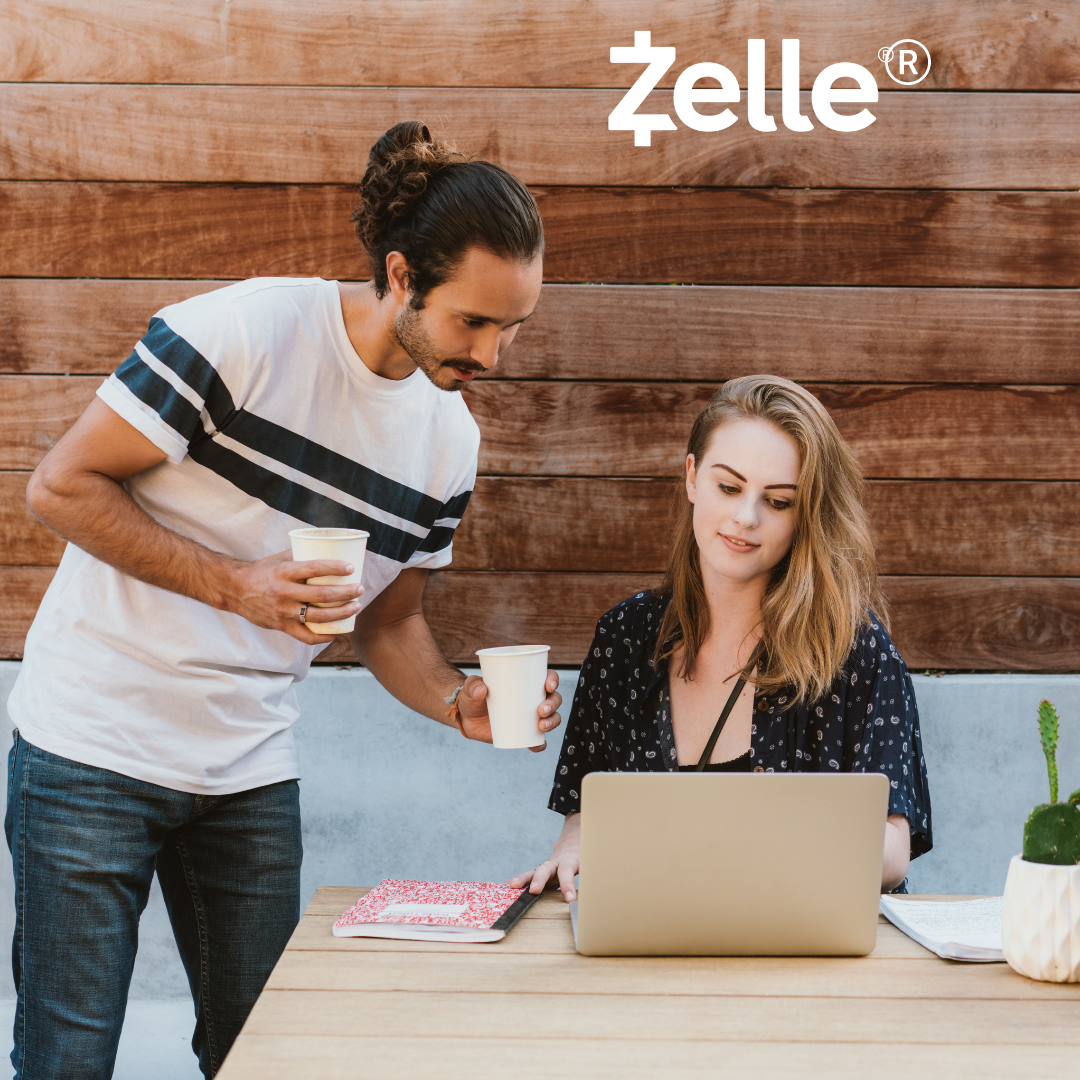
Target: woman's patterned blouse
[{"x": 867, "y": 721}]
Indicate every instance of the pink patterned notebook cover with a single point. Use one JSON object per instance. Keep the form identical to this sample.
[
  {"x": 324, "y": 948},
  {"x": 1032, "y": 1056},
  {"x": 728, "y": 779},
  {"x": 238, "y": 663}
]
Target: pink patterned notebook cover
[{"x": 476, "y": 904}]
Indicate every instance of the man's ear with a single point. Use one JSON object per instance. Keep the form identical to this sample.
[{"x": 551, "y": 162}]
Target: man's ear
[
  {"x": 397, "y": 276},
  {"x": 691, "y": 478}
]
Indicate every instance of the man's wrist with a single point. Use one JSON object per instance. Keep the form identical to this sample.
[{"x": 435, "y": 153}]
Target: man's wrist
[
  {"x": 455, "y": 683},
  {"x": 222, "y": 583},
  {"x": 453, "y": 700}
]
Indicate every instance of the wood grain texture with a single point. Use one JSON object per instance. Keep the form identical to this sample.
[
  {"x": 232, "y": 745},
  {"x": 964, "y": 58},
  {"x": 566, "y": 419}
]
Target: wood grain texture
[
  {"x": 178, "y": 231},
  {"x": 652, "y": 977},
  {"x": 986, "y": 624},
  {"x": 897, "y": 432},
  {"x": 966, "y": 623},
  {"x": 807, "y": 334},
  {"x": 744, "y": 236},
  {"x": 640, "y": 429},
  {"x": 576, "y": 524},
  {"x": 305, "y": 135},
  {"x": 922, "y": 527},
  {"x": 615, "y": 235},
  {"x": 67, "y": 327},
  {"x": 35, "y": 410},
  {"x": 624, "y": 1017},
  {"x": 627, "y": 332},
  {"x": 24, "y": 541},
  {"x": 322, "y": 1057},
  {"x": 992, "y": 45},
  {"x": 976, "y": 528}
]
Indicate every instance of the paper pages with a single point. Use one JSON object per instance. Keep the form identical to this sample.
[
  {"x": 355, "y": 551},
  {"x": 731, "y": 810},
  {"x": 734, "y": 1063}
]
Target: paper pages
[{"x": 954, "y": 929}]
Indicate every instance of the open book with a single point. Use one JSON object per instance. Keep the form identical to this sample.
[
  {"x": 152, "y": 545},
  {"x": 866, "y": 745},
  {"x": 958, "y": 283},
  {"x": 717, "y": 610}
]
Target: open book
[
  {"x": 954, "y": 929},
  {"x": 464, "y": 911}
]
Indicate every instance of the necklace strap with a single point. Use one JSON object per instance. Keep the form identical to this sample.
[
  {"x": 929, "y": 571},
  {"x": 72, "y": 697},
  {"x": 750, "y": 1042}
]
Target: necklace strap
[{"x": 711, "y": 744}]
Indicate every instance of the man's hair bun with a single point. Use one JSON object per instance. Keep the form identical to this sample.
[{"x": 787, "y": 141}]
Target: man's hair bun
[
  {"x": 399, "y": 168},
  {"x": 424, "y": 198}
]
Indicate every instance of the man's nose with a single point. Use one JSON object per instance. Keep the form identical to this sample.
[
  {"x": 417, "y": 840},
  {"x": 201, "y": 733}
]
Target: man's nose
[{"x": 485, "y": 350}]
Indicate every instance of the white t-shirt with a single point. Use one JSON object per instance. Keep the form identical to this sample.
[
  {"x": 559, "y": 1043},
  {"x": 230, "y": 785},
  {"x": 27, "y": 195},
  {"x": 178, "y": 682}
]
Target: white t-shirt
[{"x": 271, "y": 422}]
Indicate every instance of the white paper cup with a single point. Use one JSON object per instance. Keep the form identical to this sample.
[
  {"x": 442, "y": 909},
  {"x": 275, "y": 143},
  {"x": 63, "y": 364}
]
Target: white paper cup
[
  {"x": 515, "y": 676},
  {"x": 349, "y": 546}
]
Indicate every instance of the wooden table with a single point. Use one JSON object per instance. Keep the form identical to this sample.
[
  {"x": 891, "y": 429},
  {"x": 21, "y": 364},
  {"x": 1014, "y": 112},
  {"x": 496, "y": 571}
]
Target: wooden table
[{"x": 529, "y": 1006}]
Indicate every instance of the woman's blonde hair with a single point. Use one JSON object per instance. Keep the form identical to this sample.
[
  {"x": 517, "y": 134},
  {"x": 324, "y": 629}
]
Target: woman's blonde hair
[{"x": 821, "y": 593}]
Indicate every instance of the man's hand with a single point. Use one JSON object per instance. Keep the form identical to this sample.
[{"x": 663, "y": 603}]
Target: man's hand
[
  {"x": 271, "y": 592},
  {"x": 472, "y": 704}
]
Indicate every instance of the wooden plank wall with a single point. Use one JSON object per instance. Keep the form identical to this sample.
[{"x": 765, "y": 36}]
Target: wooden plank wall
[{"x": 920, "y": 276}]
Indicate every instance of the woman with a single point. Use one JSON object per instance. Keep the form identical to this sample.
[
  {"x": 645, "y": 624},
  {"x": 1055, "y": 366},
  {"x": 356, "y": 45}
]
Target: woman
[{"x": 771, "y": 612}]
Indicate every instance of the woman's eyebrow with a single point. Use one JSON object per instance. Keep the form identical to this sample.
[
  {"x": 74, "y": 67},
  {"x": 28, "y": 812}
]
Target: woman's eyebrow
[
  {"x": 738, "y": 476},
  {"x": 768, "y": 487}
]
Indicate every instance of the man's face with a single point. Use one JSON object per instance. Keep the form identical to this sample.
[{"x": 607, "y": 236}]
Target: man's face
[{"x": 466, "y": 322}]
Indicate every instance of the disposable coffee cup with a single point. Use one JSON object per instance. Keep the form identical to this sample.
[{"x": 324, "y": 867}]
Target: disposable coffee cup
[
  {"x": 349, "y": 546},
  {"x": 515, "y": 677}
]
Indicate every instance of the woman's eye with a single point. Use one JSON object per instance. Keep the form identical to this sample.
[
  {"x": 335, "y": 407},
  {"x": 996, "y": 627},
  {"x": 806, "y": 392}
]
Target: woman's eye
[
  {"x": 780, "y": 504},
  {"x": 727, "y": 489}
]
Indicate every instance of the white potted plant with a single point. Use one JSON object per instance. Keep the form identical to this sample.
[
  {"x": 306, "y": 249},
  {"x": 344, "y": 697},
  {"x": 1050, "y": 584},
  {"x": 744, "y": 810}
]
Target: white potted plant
[{"x": 1040, "y": 926}]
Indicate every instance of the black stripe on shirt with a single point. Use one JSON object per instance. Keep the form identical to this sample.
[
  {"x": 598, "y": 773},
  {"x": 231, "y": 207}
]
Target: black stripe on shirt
[
  {"x": 281, "y": 444},
  {"x": 174, "y": 352},
  {"x": 151, "y": 389},
  {"x": 332, "y": 468},
  {"x": 317, "y": 510}
]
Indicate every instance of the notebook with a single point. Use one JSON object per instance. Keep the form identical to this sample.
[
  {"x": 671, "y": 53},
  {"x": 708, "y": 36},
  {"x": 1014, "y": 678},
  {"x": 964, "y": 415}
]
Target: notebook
[
  {"x": 954, "y": 929},
  {"x": 462, "y": 911}
]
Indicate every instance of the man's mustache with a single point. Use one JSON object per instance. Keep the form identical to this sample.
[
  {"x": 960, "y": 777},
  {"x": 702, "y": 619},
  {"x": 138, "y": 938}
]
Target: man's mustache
[{"x": 465, "y": 365}]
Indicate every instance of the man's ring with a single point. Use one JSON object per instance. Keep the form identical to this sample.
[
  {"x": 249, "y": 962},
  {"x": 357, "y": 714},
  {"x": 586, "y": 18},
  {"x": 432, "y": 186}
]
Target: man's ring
[{"x": 303, "y": 613}]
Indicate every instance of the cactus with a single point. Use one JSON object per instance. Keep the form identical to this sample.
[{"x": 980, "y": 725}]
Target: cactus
[
  {"x": 1048, "y": 733},
  {"x": 1052, "y": 830},
  {"x": 1052, "y": 834}
]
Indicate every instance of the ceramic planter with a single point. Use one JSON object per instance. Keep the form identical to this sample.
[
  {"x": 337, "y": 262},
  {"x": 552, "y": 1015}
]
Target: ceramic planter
[{"x": 1040, "y": 924}]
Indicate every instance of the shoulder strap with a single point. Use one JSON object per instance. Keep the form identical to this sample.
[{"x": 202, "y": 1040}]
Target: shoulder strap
[{"x": 707, "y": 753}]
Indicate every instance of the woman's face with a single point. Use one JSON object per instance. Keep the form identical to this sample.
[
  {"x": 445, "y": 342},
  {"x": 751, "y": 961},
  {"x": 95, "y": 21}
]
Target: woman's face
[{"x": 743, "y": 491}]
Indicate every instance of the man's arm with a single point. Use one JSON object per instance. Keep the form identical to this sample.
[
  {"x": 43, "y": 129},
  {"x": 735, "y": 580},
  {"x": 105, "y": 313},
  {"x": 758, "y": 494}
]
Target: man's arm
[
  {"x": 392, "y": 639},
  {"x": 77, "y": 491}
]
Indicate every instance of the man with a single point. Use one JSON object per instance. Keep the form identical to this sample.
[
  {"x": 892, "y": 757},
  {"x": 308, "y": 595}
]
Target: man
[{"x": 155, "y": 700}]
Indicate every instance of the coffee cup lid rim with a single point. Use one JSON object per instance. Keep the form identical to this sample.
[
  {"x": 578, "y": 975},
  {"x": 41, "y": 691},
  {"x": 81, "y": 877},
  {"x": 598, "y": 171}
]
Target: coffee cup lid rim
[
  {"x": 513, "y": 650},
  {"x": 310, "y": 532}
]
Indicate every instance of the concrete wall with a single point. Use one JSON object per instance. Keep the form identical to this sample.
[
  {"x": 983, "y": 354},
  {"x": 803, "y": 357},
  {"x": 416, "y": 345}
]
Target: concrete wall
[{"x": 387, "y": 793}]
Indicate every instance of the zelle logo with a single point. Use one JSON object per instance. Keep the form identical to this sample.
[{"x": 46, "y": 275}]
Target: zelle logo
[{"x": 625, "y": 117}]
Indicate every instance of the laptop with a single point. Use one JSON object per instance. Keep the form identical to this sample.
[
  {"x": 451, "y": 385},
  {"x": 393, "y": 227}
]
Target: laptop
[{"x": 730, "y": 864}]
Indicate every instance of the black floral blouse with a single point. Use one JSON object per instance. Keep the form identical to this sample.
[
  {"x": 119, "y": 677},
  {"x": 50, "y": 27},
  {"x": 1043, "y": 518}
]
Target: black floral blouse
[{"x": 868, "y": 721}]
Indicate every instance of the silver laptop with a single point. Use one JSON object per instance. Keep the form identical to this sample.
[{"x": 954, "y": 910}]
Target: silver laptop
[{"x": 730, "y": 864}]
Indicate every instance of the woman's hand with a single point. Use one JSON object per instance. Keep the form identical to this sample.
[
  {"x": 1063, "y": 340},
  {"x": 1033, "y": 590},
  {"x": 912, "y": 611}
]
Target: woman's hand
[
  {"x": 472, "y": 705},
  {"x": 561, "y": 867}
]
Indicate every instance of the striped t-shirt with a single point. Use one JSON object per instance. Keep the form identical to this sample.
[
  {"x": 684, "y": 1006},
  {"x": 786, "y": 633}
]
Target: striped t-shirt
[{"x": 270, "y": 421}]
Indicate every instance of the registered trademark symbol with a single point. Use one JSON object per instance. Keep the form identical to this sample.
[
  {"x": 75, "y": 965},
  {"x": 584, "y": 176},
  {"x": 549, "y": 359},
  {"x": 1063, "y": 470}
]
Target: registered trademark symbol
[{"x": 910, "y": 62}]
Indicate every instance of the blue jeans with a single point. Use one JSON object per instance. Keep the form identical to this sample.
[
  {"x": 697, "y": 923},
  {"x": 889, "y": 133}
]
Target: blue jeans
[{"x": 85, "y": 843}]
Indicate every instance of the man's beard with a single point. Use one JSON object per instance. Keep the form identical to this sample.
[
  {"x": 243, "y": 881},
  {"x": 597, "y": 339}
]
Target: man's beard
[{"x": 413, "y": 338}]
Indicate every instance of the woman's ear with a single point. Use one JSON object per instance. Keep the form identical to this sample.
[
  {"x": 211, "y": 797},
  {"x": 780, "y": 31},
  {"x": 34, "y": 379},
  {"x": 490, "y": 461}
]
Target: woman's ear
[{"x": 691, "y": 478}]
